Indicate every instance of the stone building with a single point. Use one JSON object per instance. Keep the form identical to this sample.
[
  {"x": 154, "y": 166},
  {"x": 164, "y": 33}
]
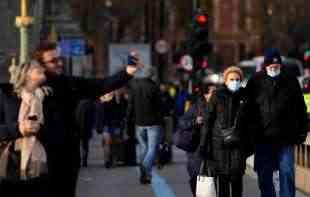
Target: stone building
[{"x": 235, "y": 29}]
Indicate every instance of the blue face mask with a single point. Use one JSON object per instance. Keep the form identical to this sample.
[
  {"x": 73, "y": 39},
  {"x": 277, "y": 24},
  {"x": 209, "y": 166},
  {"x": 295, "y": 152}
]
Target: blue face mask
[{"x": 234, "y": 86}]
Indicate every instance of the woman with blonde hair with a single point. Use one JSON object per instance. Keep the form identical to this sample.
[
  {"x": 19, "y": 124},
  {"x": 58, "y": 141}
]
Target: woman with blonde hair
[
  {"x": 223, "y": 147},
  {"x": 23, "y": 159}
]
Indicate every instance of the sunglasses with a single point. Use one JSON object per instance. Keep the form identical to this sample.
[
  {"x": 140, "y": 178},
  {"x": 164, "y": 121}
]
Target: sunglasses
[{"x": 55, "y": 60}]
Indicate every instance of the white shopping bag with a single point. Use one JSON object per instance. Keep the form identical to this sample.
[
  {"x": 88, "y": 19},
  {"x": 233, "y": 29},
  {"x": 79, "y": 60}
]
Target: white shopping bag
[{"x": 205, "y": 187}]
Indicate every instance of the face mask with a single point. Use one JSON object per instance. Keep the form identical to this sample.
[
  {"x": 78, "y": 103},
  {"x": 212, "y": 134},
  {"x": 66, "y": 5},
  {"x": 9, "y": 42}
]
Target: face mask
[
  {"x": 273, "y": 72},
  {"x": 234, "y": 85}
]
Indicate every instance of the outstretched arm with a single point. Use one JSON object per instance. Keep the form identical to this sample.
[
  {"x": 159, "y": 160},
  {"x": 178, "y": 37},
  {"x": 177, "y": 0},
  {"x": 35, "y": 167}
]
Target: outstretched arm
[{"x": 83, "y": 88}]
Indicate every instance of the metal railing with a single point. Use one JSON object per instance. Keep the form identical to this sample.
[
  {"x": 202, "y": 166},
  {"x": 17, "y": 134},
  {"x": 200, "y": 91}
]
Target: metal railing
[{"x": 302, "y": 154}]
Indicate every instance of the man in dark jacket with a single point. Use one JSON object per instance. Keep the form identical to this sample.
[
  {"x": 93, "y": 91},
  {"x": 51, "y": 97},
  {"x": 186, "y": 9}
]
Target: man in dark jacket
[
  {"x": 144, "y": 107},
  {"x": 279, "y": 111},
  {"x": 67, "y": 91}
]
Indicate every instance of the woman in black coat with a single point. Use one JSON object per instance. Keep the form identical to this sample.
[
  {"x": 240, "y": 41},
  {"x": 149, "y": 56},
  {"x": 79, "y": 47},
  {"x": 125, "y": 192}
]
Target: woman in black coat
[{"x": 226, "y": 161}]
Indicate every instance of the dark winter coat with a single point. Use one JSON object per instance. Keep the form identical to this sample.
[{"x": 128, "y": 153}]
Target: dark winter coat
[
  {"x": 111, "y": 114},
  {"x": 85, "y": 118},
  {"x": 221, "y": 113},
  {"x": 67, "y": 92},
  {"x": 188, "y": 120},
  {"x": 144, "y": 104},
  {"x": 167, "y": 103},
  {"x": 115, "y": 113},
  {"x": 278, "y": 108}
]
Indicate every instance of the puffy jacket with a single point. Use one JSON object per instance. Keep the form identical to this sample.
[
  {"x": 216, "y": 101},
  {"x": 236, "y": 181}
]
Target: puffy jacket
[
  {"x": 222, "y": 110},
  {"x": 278, "y": 108}
]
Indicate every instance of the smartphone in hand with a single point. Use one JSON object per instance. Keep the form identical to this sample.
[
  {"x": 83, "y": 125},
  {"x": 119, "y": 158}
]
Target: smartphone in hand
[{"x": 132, "y": 59}]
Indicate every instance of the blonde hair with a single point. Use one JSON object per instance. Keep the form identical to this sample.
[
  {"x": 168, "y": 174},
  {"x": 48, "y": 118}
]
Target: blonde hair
[
  {"x": 18, "y": 74},
  {"x": 233, "y": 69}
]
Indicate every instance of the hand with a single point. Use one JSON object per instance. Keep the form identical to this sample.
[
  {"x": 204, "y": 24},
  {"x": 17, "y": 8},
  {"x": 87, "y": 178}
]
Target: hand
[
  {"x": 199, "y": 120},
  {"x": 132, "y": 69},
  {"x": 29, "y": 127}
]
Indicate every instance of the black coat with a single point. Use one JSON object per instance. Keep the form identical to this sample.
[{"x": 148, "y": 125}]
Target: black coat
[
  {"x": 144, "y": 104},
  {"x": 85, "y": 118},
  {"x": 67, "y": 92},
  {"x": 278, "y": 108},
  {"x": 188, "y": 121},
  {"x": 221, "y": 113},
  {"x": 111, "y": 114}
]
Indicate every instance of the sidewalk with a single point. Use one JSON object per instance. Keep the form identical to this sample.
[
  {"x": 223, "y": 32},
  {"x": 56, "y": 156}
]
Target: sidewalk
[{"x": 172, "y": 181}]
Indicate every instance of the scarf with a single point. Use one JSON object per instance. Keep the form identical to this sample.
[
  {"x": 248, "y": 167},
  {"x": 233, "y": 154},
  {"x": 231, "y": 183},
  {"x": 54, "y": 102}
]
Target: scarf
[{"x": 32, "y": 151}]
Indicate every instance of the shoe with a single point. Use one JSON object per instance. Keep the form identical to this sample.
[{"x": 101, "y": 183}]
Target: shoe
[
  {"x": 85, "y": 164},
  {"x": 145, "y": 179},
  {"x": 108, "y": 165}
]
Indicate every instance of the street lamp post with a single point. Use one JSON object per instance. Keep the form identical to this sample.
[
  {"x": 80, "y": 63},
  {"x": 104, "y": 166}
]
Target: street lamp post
[{"x": 23, "y": 22}]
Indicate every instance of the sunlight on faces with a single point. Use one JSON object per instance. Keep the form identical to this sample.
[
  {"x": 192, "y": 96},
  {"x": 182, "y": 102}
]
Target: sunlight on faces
[
  {"x": 53, "y": 63},
  {"x": 233, "y": 76},
  {"x": 36, "y": 75}
]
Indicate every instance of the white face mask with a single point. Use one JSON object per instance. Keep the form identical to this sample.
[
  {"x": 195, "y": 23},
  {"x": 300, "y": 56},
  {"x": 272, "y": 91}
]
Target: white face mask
[
  {"x": 273, "y": 72},
  {"x": 234, "y": 86}
]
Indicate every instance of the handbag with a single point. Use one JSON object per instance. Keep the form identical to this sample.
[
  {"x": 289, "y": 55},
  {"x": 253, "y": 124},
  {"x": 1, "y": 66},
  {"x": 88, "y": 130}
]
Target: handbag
[
  {"x": 164, "y": 154},
  {"x": 205, "y": 186},
  {"x": 188, "y": 139},
  {"x": 9, "y": 162},
  {"x": 230, "y": 135}
]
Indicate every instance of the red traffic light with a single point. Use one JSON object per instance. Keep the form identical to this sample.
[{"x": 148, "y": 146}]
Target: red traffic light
[
  {"x": 202, "y": 19},
  {"x": 307, "y": 56}
]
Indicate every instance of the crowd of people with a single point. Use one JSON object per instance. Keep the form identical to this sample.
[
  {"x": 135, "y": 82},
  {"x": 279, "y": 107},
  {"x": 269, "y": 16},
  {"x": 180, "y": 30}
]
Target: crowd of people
[
  {"x": 266, "y": 118},
  {"x": 45, "y": 117}
]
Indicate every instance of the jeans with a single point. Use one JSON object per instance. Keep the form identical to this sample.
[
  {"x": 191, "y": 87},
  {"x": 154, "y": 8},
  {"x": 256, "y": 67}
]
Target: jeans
[
  {"x": 269, "y": 158},
  {"x": 149, "y": 138}
]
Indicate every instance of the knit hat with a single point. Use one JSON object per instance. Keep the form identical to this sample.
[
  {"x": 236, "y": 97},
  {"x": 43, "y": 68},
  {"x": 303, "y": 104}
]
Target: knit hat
[
  {"x": 233, "y": 69},
  {"x": 272, "y": 56}
]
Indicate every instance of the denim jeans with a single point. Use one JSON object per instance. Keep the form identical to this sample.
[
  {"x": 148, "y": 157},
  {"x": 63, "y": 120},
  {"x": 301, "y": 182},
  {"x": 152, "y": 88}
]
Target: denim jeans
[
  {"x": 269, "y": 158},
  {"x": 149, "y": 138}
]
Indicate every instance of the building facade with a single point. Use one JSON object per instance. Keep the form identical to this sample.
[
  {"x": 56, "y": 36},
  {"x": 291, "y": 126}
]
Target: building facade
[{"x": 235, "y": 29}]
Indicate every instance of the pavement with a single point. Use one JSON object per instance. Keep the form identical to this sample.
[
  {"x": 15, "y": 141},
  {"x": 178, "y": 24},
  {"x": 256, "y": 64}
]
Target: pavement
[{"x": 171, "y": 181}]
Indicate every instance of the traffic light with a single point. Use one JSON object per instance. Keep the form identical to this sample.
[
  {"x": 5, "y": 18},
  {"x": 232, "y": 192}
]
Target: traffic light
[
  {"x": 199, "y": 46},
  {"x": 307, "y": 59},
  {"x": 201, "y": 21}
]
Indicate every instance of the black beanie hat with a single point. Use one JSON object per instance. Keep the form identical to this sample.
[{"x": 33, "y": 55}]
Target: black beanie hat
[{"x": 272, "y": 56}]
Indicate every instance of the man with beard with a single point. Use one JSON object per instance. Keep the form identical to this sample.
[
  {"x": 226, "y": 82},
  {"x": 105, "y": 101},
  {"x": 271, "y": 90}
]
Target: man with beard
[{"x": 64, "y": 155}]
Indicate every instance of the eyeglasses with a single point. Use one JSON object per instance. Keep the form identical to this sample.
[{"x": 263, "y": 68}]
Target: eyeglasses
[{"x": 55, "y": 60}]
